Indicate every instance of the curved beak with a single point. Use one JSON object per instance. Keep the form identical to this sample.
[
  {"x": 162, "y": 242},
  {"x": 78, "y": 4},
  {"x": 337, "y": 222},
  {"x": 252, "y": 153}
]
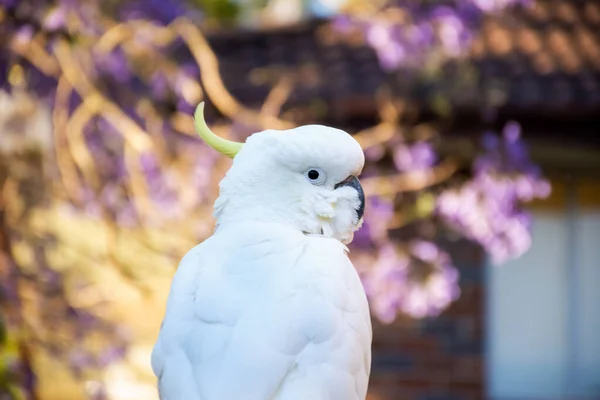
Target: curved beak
[{"x": 353, "y": 182}]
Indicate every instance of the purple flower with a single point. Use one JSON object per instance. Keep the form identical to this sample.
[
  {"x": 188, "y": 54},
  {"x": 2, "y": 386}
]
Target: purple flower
[
  {"x": 163, "y": 11},
  {"x": 8, "y": 4},
  {"x": 489, "y": 6},
  {"x": 413, "y": 34},
  {"x": 385, "y": 282},
  {"x": 439, "y": 287},
  {"x": 127, "y": 215},
  {"x": 111, "y": 355},
  {"x": 79, "y": 360},
  {"x": 24, "y": 34},
  {"x": 114, "y": 64},
  {"x": 185, "y": 107},
  {"x": 416, "y": 157},
  {"x": 420, "y": 282},
  {"x": 452, "y": 31},
  {"x": 162, "y": 190},
  {"x": 342, "y": 23},
  {"x": 512, "y": 132},
  {"x": 56, "y": 19},
  {"x": 159, "y": 86},
  {"x": 488, "y": 208},
  {"x": 378, "y": 213},
  {"x": 374, "y": 153},
  {"x": 425, "y": 251}
]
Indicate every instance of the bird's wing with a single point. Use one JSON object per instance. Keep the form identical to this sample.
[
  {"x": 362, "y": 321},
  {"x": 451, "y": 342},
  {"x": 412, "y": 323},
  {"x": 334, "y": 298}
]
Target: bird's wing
[{"x": 252, "y": 308}]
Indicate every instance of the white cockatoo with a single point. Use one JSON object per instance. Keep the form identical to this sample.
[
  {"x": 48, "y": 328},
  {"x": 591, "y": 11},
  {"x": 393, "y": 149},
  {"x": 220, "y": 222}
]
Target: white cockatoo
[{"x": 270, "y": 307}]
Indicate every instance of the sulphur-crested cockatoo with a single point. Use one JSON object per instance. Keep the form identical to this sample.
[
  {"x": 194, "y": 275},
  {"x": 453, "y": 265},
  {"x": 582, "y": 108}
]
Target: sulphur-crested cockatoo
[{"x": 270, "y": 307}]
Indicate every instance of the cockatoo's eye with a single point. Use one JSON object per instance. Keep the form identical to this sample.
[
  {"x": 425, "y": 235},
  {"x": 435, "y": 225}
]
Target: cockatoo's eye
[{"x": 316, "y": 176}]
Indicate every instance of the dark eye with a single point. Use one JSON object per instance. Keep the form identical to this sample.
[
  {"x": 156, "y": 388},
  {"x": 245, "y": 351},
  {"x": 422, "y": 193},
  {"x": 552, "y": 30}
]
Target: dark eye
[
  {"x": 313, "y": 174},
  {"x": 316, "y": 176}
]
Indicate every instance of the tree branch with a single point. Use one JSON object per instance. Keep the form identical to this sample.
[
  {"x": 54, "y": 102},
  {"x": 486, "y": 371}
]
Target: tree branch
[{"x": 409, "y": 181}]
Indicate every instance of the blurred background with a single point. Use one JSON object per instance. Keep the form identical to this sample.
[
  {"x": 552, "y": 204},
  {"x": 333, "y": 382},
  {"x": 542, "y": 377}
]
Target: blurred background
[{"x": 480, "y": 121}]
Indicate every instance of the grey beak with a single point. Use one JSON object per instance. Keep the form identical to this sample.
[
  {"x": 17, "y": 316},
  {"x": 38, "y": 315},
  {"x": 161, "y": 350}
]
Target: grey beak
[{"x": 353, "y": 181}]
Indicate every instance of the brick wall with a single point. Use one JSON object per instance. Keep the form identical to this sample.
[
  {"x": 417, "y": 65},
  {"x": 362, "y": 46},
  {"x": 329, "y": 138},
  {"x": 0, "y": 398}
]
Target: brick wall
[{"x": 439, "y": 358}]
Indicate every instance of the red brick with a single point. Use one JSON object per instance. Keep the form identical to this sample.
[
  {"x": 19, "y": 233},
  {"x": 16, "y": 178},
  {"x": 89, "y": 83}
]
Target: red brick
[
  {"x": 390, "y": 332},
  {"x": 445, "y": 355},
  {"x": 468, "y": 368},
  {"x": 417, "y": 347},
  {"x": 464, "y": 307},
  {"x": 474, "y": 387},
  {"x": 391, "y": 392},
  {"x": 421, "y": 343}
]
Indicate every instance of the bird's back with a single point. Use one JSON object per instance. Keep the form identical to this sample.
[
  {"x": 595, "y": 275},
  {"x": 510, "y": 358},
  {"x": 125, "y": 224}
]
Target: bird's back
[{"x": 260, "y": 311}]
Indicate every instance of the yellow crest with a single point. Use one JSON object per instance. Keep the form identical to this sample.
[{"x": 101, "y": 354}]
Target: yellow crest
[{"x": 223, "y": 146}]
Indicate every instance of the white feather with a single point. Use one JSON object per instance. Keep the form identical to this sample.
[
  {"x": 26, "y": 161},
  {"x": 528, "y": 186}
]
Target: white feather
[{"x": 261, "y": 311}]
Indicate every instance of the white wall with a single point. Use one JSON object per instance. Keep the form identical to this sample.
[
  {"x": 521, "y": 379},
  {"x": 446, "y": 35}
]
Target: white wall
[
  {"x": 588, "y": 247},
  {"x": 544, "y": 313}
]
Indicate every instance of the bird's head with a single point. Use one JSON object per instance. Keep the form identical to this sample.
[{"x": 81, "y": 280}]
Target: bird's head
[{"x": 305, "y": 177}]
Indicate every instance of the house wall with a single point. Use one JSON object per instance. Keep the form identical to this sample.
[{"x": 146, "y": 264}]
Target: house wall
[
  {"x": 438, "y": 358},
  {"x": 475, "y": 348},
  {"x": 544, "y": 315}
]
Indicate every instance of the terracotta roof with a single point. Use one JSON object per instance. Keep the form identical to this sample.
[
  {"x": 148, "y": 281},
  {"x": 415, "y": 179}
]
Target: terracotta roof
[{"x": 538, "y": 60}]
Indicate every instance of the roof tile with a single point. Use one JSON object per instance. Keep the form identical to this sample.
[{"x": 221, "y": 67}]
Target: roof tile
[{"x": 538, "y": 59}]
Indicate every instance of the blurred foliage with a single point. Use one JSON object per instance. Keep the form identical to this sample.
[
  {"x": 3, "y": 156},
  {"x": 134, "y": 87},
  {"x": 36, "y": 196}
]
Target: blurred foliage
[{"x": 224, "y": 11}]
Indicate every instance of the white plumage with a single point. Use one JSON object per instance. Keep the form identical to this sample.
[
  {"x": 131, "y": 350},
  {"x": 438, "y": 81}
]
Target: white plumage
[{"x": 268, "y": 307}]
